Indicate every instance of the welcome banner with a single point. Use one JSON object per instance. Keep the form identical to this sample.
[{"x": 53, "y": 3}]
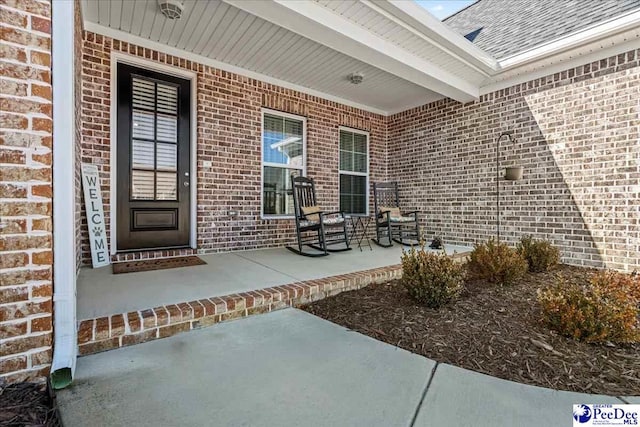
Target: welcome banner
[{"x": 95, "y": 215}]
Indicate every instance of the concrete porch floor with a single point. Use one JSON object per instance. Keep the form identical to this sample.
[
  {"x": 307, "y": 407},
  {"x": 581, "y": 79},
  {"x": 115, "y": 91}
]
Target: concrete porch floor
[
  {"x": 289, "y": 368},
  {"x": 102, "y": 293}
]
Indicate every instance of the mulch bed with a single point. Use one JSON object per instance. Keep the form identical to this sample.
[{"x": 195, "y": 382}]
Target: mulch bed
[
  {"x": 496, "y": 331},
  {"x": 27, "y": 404}
]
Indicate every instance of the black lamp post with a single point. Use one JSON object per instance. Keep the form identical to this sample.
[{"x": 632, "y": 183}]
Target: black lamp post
[{"x": 512, "y": 173}]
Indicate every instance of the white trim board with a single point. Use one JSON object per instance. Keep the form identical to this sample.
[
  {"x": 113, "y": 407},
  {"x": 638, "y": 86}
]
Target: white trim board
[
  {"x": 593, "y": 33},
  {"x": 572, "y": 62},
  {"x": 315, "y": 22},
  {"x": 416, "y": 19},
  {"x": 575, "y": 58},
  {"x": 119, "y": 57},
  {"x": 150, "y": 44}
]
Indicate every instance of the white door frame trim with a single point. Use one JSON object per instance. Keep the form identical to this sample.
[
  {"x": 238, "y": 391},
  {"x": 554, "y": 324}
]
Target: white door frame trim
[{"x": 123, "y": 58}]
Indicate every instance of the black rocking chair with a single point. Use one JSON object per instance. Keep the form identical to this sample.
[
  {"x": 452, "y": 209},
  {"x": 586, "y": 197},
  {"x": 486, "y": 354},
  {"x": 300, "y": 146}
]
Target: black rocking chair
[
  {"x": 391, "y": 223},
  {"x": 315, "y": 228}
]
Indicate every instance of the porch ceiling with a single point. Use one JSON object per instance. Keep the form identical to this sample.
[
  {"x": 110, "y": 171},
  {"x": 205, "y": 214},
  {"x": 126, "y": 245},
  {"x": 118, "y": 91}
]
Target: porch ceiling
[{"x": 307, "y": 45}]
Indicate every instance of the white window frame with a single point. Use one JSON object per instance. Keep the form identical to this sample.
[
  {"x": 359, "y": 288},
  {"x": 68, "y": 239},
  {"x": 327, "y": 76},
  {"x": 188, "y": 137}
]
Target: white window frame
[
  {"x": 365, "y": 174},
  {"x": 303, "y": 119}
]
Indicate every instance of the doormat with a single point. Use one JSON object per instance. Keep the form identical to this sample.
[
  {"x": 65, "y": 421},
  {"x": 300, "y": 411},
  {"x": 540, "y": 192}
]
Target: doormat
[{"x": 156, "y": 264}]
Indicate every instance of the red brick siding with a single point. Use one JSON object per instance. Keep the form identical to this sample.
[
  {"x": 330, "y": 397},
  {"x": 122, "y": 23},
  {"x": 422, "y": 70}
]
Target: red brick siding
[
  {"x": 578, "y": 140},
  {"x": 25, "y": 190},
  {"x": 443, "y": 154},
  {"x": 78, "y": 129},
  {"x": 228, "y": 135}
]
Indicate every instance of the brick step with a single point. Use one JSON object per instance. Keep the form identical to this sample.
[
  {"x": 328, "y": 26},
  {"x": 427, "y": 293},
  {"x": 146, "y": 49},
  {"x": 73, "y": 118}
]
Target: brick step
[{"x": 124, "y": 329}]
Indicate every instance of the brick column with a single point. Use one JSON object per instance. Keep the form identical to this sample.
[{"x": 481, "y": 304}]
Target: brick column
[{"x": 25, "y": 190}]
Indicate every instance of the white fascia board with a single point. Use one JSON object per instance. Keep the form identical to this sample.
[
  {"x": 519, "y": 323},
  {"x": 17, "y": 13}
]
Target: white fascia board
[
  {"x": 573, "y": 59},
  {"x": 315, "y": 22},
  {"x": 573, "y": 40},
  {"x": 439, "y": 34},
  {"x": 204, "y": 60}
]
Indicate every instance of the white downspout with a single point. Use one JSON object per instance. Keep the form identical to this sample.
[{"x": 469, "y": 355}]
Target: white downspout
[{"x": 64, "y": 258}]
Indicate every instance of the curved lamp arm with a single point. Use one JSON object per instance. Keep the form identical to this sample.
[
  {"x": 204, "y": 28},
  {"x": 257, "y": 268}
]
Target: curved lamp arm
[{"x": 512, "y": 140}]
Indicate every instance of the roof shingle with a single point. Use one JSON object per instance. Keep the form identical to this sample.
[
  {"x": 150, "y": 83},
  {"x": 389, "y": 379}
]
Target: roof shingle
[{"x": 507, "y": 27}]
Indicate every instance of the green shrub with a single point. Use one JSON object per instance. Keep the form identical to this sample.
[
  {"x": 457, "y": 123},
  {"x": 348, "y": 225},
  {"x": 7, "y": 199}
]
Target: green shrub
[
  {"x": 432, "y": 279},
  {"x": 604, "y": 309},
  {"x": 541, "y": 255},
  {"x": 496, "y": 263}
]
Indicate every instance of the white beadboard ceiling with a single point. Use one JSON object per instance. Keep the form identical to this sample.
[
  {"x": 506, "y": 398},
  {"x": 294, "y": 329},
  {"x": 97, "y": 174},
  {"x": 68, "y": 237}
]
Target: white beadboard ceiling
[{"x": 216, "y": 30}]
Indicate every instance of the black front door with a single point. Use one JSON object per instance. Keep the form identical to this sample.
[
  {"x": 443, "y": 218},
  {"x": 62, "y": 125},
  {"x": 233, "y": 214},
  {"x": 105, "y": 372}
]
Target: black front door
[{"x": 153, "y": 164}]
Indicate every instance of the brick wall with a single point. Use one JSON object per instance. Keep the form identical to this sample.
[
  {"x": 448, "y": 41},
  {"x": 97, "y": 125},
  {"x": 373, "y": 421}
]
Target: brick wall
[
  {"x": 25, "y": 190},
  {"x": 577, "y": 137},
  {"x": 77, "y": 65},
  {"x": 578, "y": 140},
  {"x": 228, "y": 128}
]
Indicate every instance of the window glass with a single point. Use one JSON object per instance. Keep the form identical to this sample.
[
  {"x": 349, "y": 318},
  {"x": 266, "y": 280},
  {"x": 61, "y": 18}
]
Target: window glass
[
  {"x": 154, "y": 150},
  {"x": 282, "y": 156},
  {"x": 282, "y": 141},
  {"x": 353, "y": 172}
]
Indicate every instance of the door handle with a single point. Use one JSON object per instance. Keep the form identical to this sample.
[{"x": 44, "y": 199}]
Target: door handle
[{"x": 186, "y": 183}]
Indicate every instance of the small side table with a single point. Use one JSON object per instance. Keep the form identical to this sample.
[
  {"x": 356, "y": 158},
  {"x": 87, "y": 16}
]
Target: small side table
[{"x": 359, "y": 228}]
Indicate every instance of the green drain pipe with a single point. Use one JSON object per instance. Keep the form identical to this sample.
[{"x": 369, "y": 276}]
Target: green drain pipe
[{"x": 61, "y": 378}]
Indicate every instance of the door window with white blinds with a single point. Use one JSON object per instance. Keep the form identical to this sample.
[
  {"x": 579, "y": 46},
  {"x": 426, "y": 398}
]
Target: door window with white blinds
[
  {"x": 154, "y": 145},
  {"x": 283, "y": 155},
  {"x": 354, "y": 172}
]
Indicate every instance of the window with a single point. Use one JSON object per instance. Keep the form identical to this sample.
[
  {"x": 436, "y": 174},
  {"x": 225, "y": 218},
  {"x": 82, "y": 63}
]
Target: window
[
  {"x": 154, "y": 147},
  {"x": 354, "y": 172},
  {"x": 283, "y": 155}
]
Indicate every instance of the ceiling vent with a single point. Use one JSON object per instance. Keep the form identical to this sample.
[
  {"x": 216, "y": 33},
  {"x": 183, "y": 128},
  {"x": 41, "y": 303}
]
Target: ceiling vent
[
  {"x": 172, "y": 9},
  {"x": 355, "y": 78}
]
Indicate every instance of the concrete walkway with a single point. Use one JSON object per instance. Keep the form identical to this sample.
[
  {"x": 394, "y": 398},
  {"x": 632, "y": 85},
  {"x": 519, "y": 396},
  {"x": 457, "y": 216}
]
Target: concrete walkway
[{"x": 289, "y": 368}]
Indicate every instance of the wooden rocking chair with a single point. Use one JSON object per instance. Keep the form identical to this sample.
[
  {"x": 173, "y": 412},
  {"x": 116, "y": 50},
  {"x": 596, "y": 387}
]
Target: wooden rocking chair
[
  {"x": 391, "y": 223},
  {"x": 315, "y": 228}
]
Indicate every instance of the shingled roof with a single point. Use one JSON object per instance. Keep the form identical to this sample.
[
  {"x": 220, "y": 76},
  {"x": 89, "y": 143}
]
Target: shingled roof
[{"x": 507, "y": 27}]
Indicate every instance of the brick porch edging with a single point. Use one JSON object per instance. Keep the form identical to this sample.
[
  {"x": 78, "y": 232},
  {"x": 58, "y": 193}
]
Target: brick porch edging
[{"x": 120, "y": 330}]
